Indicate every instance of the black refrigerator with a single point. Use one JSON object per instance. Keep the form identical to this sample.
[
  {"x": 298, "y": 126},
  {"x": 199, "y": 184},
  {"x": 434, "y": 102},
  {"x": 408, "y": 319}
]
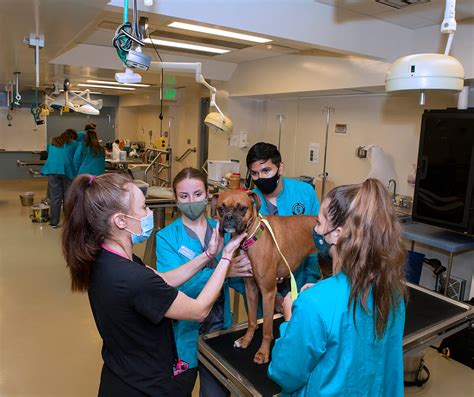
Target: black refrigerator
[{"x": 445, "y": 170}]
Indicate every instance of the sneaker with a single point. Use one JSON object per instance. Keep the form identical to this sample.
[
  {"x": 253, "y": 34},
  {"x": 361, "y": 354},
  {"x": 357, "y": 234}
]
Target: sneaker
[{"x": 54, "y": 226}]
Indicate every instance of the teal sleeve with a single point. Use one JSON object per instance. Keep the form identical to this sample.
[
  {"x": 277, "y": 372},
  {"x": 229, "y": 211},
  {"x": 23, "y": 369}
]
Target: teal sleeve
[
  {"x": 312, "y": 274},
  {"x": 315, "y": 206},
  {"x": 168, "y": 258},
  {"x": 301, "y": 344},
  {"x": 237, "y": 283}
]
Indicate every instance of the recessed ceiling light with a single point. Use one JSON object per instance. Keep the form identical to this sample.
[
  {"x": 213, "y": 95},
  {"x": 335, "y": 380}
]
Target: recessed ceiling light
[
  {"x": 117, "y": 83},
  {"x": 187, "y": 46},
  {"x": 107, "y": 86},
  {"x": 218, "y": 32}
]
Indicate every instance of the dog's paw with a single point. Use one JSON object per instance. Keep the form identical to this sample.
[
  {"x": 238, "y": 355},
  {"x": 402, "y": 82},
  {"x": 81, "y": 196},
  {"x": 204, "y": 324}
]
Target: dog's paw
[
  {"x": 241, "y": 343},
  {"x": 261, "y": 357}
]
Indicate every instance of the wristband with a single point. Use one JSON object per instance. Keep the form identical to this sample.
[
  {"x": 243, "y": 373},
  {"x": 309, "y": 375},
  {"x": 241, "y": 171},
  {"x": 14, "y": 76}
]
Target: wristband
[
  {"x": 225, "y": 259},
  {"x": 211, "y": 258}
]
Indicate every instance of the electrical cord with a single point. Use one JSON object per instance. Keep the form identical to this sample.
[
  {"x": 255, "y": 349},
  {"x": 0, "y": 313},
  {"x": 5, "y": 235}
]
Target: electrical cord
[{"x": 161, "y": 85}]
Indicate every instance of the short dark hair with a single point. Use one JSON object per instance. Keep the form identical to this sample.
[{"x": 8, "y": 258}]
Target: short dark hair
[{"x": 263, "y": 151}]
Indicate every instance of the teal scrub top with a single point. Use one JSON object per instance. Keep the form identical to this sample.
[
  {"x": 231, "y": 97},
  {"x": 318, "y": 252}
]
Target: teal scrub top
[
  {"x": 60, "y": 160},
  {"x": 297, "y": 198},
  {"x": 322, "y": 351},
  {"x": 174, "y": 247},
  {"x": 85, "y": 162}
]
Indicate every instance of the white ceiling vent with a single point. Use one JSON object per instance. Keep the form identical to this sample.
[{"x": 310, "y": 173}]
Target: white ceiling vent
[{"x": 401, "y": 3}]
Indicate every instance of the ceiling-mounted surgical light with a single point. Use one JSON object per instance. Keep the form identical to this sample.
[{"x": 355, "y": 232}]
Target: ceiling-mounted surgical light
[
  {"x": 426, "y": 72},
  {"x": 213, "y": 119}
]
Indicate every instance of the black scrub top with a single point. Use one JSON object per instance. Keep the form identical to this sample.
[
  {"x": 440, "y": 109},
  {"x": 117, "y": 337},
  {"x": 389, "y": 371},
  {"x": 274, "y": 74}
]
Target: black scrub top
[{"x": 129, "y": 302}]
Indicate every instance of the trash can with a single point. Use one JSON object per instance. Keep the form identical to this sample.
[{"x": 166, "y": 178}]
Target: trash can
[
  {"x": 413, "y": 266},
  {"x": 27, "y": 198}
]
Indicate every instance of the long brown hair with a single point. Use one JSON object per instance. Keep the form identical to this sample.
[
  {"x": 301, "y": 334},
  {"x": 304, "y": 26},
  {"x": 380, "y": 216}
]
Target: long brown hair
[
  {"x": 189, "y": 173},
  {"x": 88, "y": 207},
  {"x": 370, "y": 249},
  {"x": 66, "y": 137},
  {"x": 92, "y": 141}
]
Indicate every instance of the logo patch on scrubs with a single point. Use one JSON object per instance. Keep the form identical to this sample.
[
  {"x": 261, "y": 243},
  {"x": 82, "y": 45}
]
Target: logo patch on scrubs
[
  {"x": 298, "y": 209},
  {"x": 185, "y": 251}
]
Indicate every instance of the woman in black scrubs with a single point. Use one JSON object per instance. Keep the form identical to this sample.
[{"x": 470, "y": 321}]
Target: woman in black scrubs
[{"x": 132, "y": 304}]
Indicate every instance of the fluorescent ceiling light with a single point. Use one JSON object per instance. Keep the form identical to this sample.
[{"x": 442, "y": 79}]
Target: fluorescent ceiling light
[
  {"x": 187, "y": 46},
  {"x": 117, "y": 83},
  {"x": 78, "y": 92},
  {"x": 218, "y": 32},
  {"x": 106, "y": 86}
]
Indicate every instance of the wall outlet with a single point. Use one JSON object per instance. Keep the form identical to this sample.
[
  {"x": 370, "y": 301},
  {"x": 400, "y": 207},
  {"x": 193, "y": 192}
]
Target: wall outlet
[{"x": 313, "y": 154}]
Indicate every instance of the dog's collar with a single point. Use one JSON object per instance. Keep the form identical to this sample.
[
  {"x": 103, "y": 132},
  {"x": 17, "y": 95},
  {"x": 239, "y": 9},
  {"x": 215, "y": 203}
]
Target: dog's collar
[{"x": 254, "y": 236}]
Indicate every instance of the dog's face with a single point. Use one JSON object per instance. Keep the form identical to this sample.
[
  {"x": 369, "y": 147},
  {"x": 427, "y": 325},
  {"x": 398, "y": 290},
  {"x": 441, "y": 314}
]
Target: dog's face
[{"x": 235, "y": 210}]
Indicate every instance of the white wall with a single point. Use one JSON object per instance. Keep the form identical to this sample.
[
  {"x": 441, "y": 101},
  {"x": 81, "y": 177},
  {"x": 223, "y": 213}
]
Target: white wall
[{"x": 391, "y": 122}]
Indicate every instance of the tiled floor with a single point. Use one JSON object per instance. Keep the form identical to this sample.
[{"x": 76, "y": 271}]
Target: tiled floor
[{"x": 49, "y": 345}]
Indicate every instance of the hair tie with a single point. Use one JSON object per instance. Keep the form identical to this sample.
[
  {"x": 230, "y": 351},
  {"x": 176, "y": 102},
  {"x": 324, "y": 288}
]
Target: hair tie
[{"x": 91, "y": 179}]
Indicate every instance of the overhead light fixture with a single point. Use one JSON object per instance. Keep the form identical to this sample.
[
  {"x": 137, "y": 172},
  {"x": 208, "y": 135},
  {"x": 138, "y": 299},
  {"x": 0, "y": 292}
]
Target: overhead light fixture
[
  {"x": 424, "y": 72},
  {"x": 216, "y": 120},
  {"x": 118, "y": 83},
  {"x": 187, "y": 46},
  {"x": 107, "y": 87},
  {"x": 83, "y": 103},
  {"x": 218, "y": 32}
]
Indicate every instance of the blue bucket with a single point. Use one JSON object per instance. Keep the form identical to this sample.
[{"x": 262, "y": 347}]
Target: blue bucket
[{"x": 413, "y": 266}]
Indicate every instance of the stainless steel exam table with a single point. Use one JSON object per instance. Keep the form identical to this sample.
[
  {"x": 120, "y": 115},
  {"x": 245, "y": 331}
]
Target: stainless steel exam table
[{"x": 429, "y": 317}]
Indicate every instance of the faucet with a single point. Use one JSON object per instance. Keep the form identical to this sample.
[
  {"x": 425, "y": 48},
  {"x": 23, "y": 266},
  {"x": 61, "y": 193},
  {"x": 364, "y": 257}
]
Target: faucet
[{"x": 394, "y": 194}]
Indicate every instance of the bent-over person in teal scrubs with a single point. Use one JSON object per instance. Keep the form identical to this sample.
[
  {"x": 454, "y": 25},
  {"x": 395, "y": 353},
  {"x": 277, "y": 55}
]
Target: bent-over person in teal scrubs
[{"x": 343, "y": 335}]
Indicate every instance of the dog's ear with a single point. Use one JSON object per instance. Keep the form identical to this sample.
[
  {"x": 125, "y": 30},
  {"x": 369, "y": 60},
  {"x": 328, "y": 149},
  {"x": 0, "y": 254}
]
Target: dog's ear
[
  {"x": 255, "y": 198},
  {"x": 214, "y": 205}
]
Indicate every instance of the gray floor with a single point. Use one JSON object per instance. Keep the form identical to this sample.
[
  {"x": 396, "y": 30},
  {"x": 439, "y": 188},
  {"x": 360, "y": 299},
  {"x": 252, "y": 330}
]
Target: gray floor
[{"x": 49, "y": 342}]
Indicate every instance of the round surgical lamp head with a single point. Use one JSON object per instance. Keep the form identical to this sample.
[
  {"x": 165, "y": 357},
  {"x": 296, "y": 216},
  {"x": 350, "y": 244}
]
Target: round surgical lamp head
[
  {"x": 425, "y": 72},
  {"x": 216, "y": 120}
]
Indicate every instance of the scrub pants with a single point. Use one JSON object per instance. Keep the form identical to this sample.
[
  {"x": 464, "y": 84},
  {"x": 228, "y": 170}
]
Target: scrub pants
[
  {"x": 209, "y": 385},
  {"x": 58, "y": 185}
]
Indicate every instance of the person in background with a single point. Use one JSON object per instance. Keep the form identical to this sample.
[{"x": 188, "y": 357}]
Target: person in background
[
  {"x": 283, "y": 196},
  {"x": 133, "y": 305},
  {"x": 81, "y": 135},
  {"x": 351, "y": 324},
  {"x": 60, "y": 170},
  {"x": 186, "y": 238},
  {"x": 90, "y": 155},
  {"x": 116, "y": 150}
]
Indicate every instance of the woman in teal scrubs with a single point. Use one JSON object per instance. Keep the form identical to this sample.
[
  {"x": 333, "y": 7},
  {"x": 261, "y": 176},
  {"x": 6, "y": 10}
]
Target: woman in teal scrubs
[
  {"x": 343, "y": 335},
  {"x": 90, "y": 156},
  {"x": 60, "y": 170},
  {"x": 180, "y": 242}
]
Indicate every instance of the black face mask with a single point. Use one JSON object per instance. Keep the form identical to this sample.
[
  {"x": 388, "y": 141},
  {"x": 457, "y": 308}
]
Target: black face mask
[
  {"x": 322, "y": 245},
  {"x": 267, "y": 185}
]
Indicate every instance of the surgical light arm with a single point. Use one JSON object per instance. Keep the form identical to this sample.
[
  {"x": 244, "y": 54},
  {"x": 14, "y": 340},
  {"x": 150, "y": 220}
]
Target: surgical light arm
[{"x": 196, "y": 67}]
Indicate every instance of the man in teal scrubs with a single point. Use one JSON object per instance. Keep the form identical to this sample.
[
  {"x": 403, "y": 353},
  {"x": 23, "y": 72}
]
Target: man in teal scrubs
[{"x": 283, "y": 196}]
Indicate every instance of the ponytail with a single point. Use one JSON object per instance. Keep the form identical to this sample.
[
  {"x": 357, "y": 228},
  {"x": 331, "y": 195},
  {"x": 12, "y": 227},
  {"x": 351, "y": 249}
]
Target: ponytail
[
  {"x": 89, "y": 205},
  {"x": 370, "y": 248}
]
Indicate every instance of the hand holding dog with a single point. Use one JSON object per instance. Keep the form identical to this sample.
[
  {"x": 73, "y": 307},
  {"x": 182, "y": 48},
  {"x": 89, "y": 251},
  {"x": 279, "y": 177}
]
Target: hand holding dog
[{"x": 240, "y": 266}]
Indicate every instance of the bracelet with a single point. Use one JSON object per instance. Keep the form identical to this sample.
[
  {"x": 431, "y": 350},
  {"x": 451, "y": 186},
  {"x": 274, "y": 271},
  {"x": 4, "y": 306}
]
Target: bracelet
[
  {"x": 226, "y": 259},
  {"x": 211, "y": 258}
]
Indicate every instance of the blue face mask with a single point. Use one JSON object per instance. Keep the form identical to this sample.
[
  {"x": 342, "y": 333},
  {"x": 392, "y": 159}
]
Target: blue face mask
[
  {"x": 322, "y": 245},
  {"x": 146, "y": 224}
]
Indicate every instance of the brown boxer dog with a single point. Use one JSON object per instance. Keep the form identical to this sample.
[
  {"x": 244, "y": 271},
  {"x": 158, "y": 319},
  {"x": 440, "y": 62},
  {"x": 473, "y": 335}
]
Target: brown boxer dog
[{"x": 237, "y": 214}]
